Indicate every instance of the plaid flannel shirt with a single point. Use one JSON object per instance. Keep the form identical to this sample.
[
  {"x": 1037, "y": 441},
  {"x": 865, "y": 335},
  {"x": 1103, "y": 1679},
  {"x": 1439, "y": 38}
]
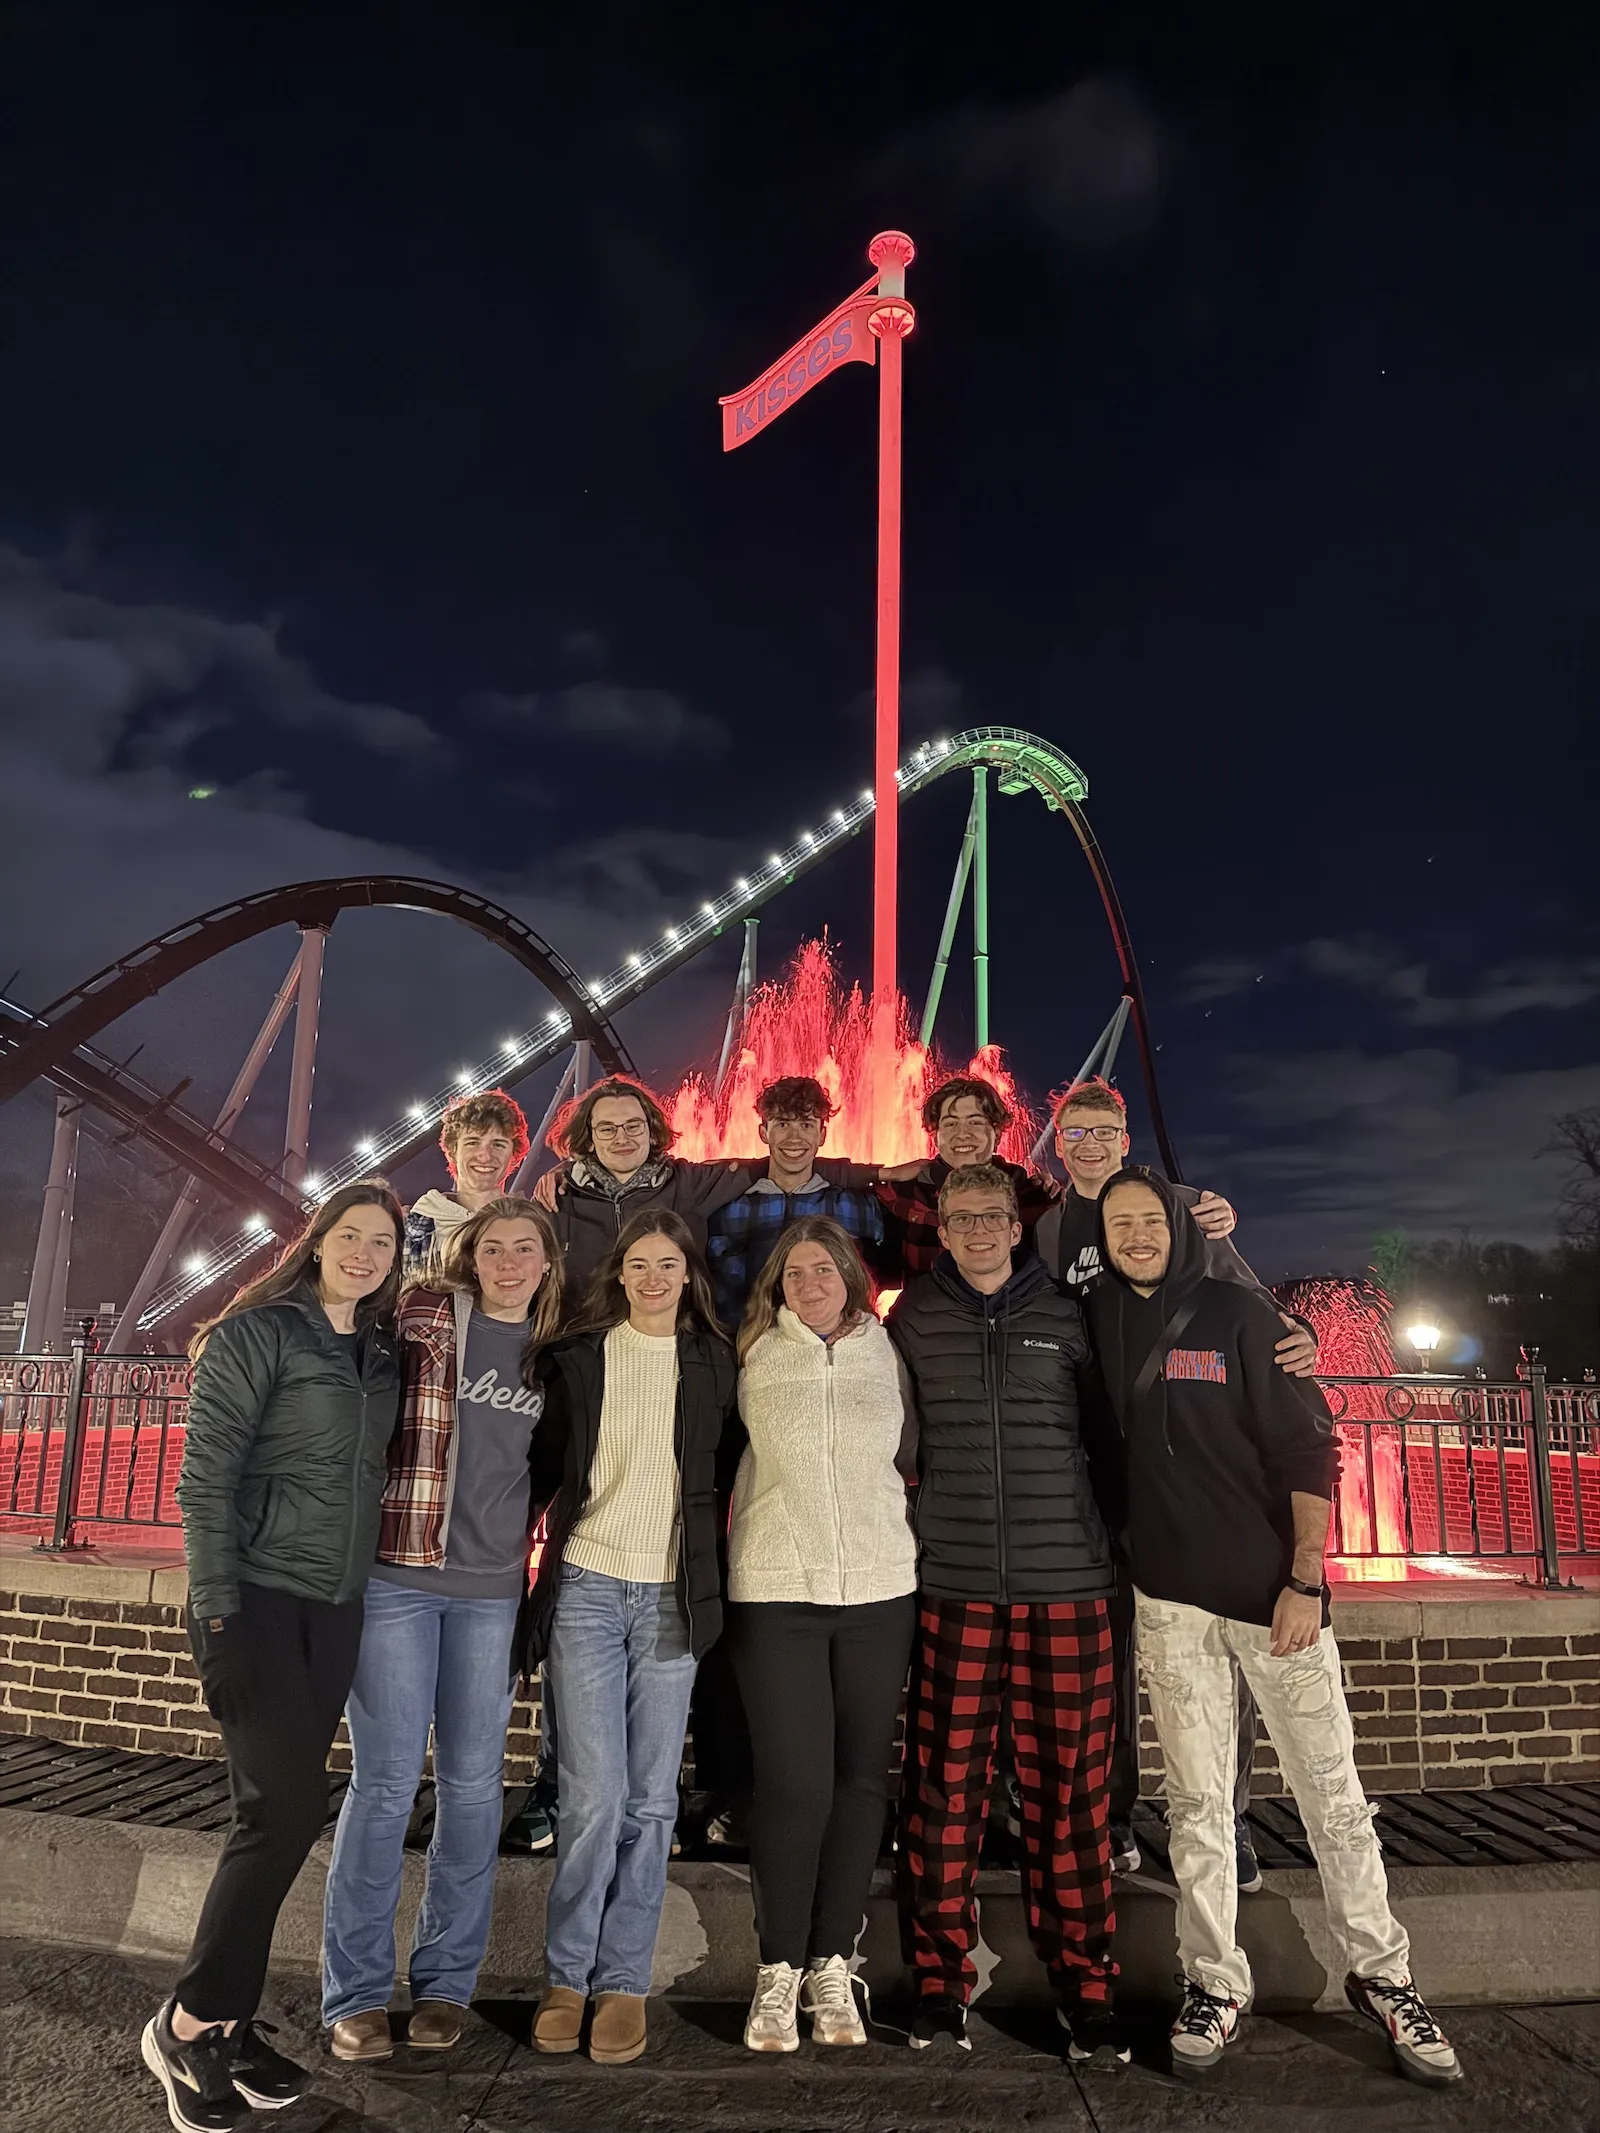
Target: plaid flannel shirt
[
  {"x": 414, "y": 1496},
  {"x": 740, "y": 1237},
  {"x": 912, "y": 1207}
]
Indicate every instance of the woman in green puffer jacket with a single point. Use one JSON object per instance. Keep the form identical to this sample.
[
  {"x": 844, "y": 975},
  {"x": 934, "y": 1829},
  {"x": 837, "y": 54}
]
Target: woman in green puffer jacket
[{"x": 295, "y": 1397}]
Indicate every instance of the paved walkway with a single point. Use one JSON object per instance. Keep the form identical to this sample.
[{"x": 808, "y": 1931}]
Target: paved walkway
[{"x": 69, "y": 2027}]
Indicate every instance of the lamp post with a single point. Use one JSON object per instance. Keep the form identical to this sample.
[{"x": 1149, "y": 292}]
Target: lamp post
[{"x": 1424, "y": 1338}]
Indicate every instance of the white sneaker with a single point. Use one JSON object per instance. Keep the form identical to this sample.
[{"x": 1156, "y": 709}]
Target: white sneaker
[
  {"x": 1207, "y": 2023},
  {"x": 827, "y": 1994},
  {"x": 770, "y": 2025},
  {"x": 1421, "y": 2048}
]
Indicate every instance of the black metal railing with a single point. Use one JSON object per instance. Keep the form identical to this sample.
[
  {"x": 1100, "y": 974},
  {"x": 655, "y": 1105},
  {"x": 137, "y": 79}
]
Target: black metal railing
[
  {"x": 1431, "y": 1466},
  {"x": 1439, "y": 1467},
  {"x": 90, "y": 1440}
]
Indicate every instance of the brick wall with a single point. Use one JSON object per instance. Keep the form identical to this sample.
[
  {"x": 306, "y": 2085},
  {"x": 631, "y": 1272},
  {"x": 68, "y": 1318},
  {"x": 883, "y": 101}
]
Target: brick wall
[{"x": 1472, "y": 1692}]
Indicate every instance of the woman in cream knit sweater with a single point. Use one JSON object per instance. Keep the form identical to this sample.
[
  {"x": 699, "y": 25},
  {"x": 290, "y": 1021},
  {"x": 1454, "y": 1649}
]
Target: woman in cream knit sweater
[{"x": 821, "y": 1583}]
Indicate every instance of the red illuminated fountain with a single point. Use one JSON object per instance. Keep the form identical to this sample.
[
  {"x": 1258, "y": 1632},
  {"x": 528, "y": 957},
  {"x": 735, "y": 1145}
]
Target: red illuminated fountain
[
  {"x": 871, "y": 1066},
  {"x": 1352, "y": 1325}
]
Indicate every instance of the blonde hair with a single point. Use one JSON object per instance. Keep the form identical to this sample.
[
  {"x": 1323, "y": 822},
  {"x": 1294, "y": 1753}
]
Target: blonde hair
[{"x": 761, "y": 1311}]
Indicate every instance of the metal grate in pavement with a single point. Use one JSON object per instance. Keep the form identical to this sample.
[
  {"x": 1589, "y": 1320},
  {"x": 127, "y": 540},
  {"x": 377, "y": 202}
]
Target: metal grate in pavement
[
  {"x": 1508, "y": 1825},
  {"x": 1512, "y": 1825}
]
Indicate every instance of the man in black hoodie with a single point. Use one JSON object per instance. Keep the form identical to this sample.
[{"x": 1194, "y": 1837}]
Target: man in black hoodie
[
  {"x": 1229, "y": 1467},
  {"x": 1015, "y": 1572}
]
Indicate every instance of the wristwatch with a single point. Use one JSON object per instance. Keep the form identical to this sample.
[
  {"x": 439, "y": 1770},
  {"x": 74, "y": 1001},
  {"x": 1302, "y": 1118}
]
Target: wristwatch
[{"x": 1309, "y": 1592}]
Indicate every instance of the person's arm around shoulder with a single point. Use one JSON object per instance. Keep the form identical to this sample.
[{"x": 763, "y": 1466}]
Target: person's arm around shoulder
[
  {"x": 549, "y": 1186},
  {"x": 702, "y": 1189},
  {"x": 1294, "y": 1434},
  {"x": 233, "y": 1382}
]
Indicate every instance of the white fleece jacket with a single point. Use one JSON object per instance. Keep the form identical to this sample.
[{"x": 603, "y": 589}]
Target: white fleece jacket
[{"x": 819, "y": 1508}]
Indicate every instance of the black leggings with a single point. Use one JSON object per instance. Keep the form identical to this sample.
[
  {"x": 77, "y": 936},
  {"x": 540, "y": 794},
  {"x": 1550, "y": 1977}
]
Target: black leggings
[
  {"x": 821, "y": 1689},
  {"x": 275, "y": 1680}
]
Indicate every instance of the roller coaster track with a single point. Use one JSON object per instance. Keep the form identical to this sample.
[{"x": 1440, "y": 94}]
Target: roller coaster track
[{"x": 1022, "y": 760}]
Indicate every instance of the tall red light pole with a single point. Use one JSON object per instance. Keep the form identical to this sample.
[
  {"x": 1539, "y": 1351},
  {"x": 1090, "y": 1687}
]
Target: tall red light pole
[
  {"x": 891, "y": 319},
  {"x": 876, "y": 314}
]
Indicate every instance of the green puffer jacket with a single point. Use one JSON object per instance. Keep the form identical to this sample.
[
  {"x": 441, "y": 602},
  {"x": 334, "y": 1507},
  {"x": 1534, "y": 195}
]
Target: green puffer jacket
[{"x": 285, "y": 1458}]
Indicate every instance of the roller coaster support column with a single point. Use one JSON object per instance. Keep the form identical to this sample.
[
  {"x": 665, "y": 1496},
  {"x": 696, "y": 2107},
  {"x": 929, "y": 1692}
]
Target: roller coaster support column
[
  {"x": 523, "y": 1181},
  {"x": 890, "y": 320},
  {"x": 952, "y": 912},
  {"x": 303, "y": 1067},
  {"x": 743, "y": 986},
  {"x": 1102, "y": 1058},
  {"x": 980, "y": 905},
  {"x": 173, "y": 1230},
  {"x": 47, "y": 1285}
]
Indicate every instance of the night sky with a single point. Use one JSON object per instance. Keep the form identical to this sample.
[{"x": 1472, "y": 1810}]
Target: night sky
[{"x": 361, "y": 463}]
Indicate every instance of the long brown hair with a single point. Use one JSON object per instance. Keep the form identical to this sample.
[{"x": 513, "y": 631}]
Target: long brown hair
[
  {"x": 460, "y": 1271},
  {"x": 606, "y": 1303},
  {"x": 573, "y": 1132},
  {"x": 294, "y": 1266},
  {"x": 766, "y": 1291}
]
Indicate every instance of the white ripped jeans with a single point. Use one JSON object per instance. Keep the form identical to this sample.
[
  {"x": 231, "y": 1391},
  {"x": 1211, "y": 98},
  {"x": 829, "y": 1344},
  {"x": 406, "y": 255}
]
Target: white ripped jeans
[{"x": 1187, "y": 1658}]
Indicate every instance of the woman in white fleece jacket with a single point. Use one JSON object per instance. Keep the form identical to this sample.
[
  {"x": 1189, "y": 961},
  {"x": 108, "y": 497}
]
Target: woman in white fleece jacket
[{"x": 821, "y": 1583}]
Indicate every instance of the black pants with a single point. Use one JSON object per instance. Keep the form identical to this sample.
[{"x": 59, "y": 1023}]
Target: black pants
[
  {"x": 718, "y": 1733},
  {"x": 1125, "y": 1742},
  {"x": 275, "y": 1681},
  {"x": 821, "y": 1690}
]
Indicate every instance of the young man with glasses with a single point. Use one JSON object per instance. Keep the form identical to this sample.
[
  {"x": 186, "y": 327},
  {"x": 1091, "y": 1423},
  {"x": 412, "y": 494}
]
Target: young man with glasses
[
  {"x": 1091, "y": 1125},
  {"x": 615, "y": 1140},
  {"x": 1015, "y": 1574}
]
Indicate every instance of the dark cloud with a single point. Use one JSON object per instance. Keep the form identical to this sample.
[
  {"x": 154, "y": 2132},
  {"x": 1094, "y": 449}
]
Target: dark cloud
[
  {"x": 1383, "y": 971},
  {"x": 1088, "y": 166},
  {"x": 604, "y": 715},
  {"x": 1326, "y": 1138}
]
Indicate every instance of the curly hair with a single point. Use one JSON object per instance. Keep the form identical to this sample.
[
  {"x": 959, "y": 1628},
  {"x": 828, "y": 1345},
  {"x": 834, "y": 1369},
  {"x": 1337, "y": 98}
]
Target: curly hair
[
  {"x": 573, "y": 1132},
  {"x": 795, "y": 1096},
  {"x": 476, "y": 1114},
  {"x": 992, "y": 1104}
]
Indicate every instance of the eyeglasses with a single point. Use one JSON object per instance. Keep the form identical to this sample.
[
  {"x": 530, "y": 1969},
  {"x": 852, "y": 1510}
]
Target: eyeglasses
[
  {"x": 1099, "y": 1133},
  {"x": 628, "y": 1132},
  {"x": 995, "y": 1218}
]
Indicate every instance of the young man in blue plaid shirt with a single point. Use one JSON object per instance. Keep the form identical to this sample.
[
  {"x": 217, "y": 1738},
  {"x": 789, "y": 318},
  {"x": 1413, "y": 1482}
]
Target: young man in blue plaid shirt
[{"x": 794, "y": 1113}]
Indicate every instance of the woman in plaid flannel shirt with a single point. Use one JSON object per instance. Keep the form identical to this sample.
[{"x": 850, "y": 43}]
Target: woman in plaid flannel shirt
[{"x": 441, "y": 1616}]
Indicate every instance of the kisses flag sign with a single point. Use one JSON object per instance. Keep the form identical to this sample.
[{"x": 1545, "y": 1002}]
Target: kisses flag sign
[{"x": 843, "y": 337}]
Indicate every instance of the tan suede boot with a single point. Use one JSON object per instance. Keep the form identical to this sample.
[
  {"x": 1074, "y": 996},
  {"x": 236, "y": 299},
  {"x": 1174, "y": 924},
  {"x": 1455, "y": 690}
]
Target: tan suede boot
[
  {"x": 363, "y": 2036},
  {"x": 557, "y": 2025},
  {"x": 617, "y": 2033}
]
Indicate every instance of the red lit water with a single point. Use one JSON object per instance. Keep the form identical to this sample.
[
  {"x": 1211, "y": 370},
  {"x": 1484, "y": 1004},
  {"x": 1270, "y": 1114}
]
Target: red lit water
[
  {"x": 871, "y": 1065},
  {"x": 1352, "y": 1325}
]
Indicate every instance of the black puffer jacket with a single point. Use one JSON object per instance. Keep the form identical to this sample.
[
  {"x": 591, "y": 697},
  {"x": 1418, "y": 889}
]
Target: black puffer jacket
[
  {"x": 285, "y": 1457},
  {"x": 1005, "y": 1511},
  {"x": 708, "y": 1435}
]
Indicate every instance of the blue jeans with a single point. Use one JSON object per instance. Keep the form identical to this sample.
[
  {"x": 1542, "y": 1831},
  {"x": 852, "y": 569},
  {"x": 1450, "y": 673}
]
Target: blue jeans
[
  {"x": 622, "y": 1675},
  {"x": 424, "y": 1657}
]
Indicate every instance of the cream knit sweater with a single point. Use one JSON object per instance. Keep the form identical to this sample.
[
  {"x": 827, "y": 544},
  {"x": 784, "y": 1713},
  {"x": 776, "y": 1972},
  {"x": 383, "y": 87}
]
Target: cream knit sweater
[
  {"x": 629, "y": 1528},
  {"x": 819, "y": 1510}
]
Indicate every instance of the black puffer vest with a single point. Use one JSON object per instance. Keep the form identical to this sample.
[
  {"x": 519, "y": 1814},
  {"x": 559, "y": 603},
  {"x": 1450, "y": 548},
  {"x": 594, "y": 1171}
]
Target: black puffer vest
[{"x": 1005, "y": 1512}]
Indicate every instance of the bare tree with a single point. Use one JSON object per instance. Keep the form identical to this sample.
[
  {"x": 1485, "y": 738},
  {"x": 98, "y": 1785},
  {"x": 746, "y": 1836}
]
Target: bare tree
[{"x": 1577, "y": 1137}]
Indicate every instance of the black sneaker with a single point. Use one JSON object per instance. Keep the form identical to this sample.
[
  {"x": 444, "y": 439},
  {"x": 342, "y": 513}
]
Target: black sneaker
[
  {"x": 1124, "y": 1849},
  {"x": 264, "y": 2078},
  {"x": 1249, "y": 1867},
  {"x": 941, "y": 2020},
  {"x": 532, "y": 1829},
  {"x": 197, "y": 2077},
  {"x": 1096, "y": 2036}
]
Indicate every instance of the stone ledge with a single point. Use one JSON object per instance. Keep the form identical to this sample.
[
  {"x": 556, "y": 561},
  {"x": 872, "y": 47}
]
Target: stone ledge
[
  {"x": 1480, "y": 1934},
  {"x": 1478, "y": 1608}
]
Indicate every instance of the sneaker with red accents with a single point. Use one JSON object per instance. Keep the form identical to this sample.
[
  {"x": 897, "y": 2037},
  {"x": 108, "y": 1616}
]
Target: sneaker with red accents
[
  {"x": 1421, "y": 2049},
  {"x": 1207, "y": 2024}
]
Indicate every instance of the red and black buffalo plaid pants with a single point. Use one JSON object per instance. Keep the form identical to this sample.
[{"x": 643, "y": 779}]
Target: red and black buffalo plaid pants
[{"x": 1050, "y": 1666}]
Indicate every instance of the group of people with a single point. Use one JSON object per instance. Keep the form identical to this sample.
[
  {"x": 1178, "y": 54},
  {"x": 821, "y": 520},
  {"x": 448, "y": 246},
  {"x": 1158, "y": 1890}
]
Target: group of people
[{"x": 1083, "y": 1443}]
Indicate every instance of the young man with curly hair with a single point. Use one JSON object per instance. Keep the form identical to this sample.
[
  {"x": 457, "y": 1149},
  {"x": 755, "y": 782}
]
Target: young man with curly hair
[{"x": 484, "y": 1139}]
